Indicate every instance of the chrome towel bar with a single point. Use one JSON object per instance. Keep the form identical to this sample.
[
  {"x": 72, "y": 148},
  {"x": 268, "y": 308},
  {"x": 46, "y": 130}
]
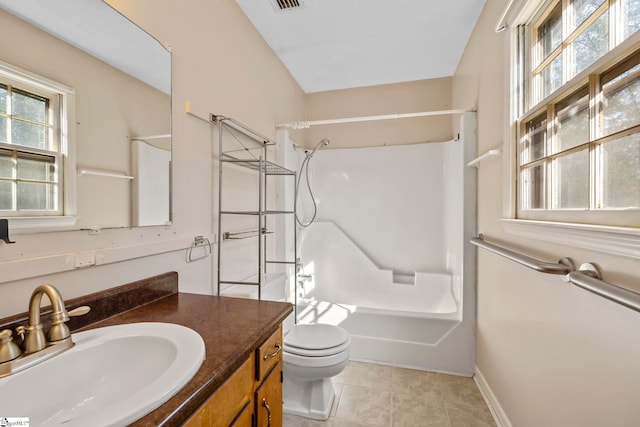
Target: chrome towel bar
[
  {"x": 588, "y": 276},
  {"x": 239, "y": 235}
]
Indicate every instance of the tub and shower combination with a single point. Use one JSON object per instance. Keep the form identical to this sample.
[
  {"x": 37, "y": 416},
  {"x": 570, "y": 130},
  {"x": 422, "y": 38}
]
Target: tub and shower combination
[{"x": 386, "y": 257}]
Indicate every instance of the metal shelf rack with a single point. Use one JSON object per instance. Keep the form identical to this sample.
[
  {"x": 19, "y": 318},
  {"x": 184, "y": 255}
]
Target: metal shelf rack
[{"x": 243, "y": 147}]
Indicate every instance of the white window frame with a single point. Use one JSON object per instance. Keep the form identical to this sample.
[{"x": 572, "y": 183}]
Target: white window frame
[
  {"x": 67, "y": 137},
  {"x": 613, "y": 240}
]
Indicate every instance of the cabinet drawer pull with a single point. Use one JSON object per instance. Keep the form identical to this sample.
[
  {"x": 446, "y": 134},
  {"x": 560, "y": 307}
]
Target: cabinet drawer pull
[
  {"x": 266, "y": 406},
  {"x": 274, "y": 354}
]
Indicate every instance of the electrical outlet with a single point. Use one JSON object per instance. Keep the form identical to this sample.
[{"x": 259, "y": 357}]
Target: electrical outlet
[{"x": 85, "y": 259}]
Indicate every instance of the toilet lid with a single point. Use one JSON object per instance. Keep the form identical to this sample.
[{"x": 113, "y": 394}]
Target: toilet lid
[{"x": 316, "y": 340}]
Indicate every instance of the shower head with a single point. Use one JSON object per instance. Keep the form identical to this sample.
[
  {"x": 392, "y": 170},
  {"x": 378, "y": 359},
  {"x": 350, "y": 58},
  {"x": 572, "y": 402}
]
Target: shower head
[{"x": 323, "y": 143}]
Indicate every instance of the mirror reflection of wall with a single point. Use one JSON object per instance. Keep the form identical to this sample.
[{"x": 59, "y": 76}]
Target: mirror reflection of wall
[{"x": 112, "y": 109}]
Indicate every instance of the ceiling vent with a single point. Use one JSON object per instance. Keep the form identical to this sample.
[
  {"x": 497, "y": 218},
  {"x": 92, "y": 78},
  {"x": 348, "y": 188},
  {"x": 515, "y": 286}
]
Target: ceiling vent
[{"x": 281, "y": 5}]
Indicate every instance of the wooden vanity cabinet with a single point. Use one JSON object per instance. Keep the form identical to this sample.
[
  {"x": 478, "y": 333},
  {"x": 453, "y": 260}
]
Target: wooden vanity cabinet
[{"x": 252, "y": 396}]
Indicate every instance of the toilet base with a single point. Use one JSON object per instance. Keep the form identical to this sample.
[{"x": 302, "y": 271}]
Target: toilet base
[{"x": 308, "y": 399}]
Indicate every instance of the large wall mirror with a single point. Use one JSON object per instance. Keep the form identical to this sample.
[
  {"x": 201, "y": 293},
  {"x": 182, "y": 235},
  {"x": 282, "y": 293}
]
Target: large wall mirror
[{"x": 116, "y": 81}]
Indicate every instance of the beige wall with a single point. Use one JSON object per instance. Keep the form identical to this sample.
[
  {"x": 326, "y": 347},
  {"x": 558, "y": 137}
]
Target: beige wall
[
  {"x": 411, "y": 97},
  {"x": 553, "y": 354},
  {"x": 222, "y": 65}
]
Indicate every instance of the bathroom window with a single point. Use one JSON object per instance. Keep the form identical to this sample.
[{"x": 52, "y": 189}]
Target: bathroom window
[
  {"x": 578, "y": 136},
  {"x": 33, "y": 146}
]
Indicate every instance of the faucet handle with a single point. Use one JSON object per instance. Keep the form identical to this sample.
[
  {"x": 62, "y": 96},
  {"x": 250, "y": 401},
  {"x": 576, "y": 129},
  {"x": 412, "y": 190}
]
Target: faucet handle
[
  {"x": 8, "y": 349},
  {"x": 59, "y": 330},
  {"x": 20, "y": 330},
  {"x": 79, "y": 311}
]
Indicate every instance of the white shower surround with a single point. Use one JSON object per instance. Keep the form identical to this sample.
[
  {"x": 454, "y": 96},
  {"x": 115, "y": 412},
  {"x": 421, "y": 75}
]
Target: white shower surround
[
  {"x": 384, "y": 198},
  {"x": 409, "y": 209}
]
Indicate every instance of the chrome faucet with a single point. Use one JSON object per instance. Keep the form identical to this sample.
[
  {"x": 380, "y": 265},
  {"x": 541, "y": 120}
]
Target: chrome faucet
[{"x": 36, "y": 347}]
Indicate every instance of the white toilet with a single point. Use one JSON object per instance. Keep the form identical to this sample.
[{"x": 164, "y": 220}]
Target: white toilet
[{"x": 312, "y": 354}]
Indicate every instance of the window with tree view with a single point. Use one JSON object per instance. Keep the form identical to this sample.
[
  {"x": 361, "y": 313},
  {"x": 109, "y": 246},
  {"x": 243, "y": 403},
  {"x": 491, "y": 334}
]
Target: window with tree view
[
  {"x": 30, "y": 151},
  {"x": 579, "y": 138}
]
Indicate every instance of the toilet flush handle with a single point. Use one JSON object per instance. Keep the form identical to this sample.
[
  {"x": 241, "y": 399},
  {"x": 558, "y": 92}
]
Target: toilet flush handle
[{"x": 275, "y": 353}]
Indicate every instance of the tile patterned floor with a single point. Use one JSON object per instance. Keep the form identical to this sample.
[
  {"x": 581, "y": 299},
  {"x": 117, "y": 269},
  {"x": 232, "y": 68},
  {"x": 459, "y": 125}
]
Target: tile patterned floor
[{"x": 375, "y": 395}]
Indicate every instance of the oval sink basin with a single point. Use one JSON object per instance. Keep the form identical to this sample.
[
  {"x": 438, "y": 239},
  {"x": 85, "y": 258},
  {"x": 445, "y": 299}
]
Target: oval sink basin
[{"x": 111, "y": 377}]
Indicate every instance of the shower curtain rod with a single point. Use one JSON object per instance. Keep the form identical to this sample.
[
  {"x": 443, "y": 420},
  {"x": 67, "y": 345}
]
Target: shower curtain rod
[
  {"x": 308, "y": 124},
  {"x": 502, "y": 24}
]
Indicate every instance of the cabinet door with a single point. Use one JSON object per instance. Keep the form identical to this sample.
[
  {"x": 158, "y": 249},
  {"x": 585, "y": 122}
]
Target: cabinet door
[{"x": 268, "y": 399}]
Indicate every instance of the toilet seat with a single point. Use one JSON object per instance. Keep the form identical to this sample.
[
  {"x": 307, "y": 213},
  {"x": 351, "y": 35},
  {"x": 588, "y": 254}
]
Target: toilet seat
[{"x": 316, "y": 340}]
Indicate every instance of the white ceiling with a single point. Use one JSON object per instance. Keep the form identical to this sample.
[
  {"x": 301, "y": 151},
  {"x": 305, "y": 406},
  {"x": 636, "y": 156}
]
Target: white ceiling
[{"x": 338, "y": 44}]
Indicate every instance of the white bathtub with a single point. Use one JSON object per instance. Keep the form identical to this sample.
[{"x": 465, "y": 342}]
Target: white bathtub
[
  {"x": 420, "y": 340},
  {"x": 421, "y": 313},
  {"x": 379, "y": 324},
  {"x": 408, "y": 320}
]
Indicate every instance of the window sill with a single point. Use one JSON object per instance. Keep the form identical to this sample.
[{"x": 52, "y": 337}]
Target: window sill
[
  {"x": 40, "y": 223},
  {"x": 618, "y": 241}
]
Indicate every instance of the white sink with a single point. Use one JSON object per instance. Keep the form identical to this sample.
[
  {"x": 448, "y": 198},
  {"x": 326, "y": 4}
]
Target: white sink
[{"x": 111, "y": 377}]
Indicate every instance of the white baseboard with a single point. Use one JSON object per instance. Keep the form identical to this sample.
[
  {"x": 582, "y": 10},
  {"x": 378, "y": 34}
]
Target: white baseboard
[{"x": 499, "y": 416}]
